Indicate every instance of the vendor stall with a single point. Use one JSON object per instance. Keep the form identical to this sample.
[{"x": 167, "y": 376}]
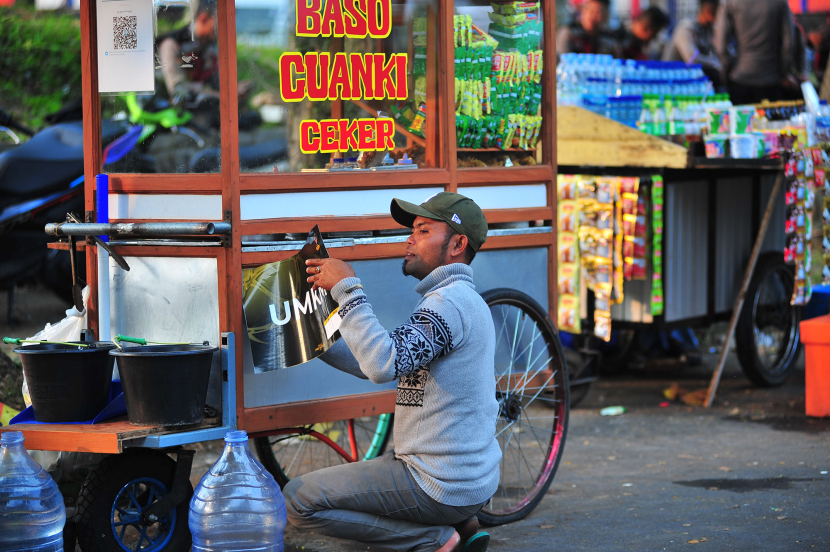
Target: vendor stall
[
  {"x": 405, "y": 100},
  {"x": 715, "y": 257}
]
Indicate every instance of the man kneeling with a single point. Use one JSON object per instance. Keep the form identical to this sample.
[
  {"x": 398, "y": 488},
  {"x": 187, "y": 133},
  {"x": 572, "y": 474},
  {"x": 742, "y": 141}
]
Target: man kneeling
[{"x": 424, "y": 496}]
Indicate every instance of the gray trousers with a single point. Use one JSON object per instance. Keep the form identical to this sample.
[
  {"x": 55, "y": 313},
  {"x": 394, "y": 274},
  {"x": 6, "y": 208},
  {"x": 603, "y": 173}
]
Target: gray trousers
[{"x": 377, "y": 502}]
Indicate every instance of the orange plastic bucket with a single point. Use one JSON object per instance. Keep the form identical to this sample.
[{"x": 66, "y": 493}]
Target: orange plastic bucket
[{"x": 815, "y": 334}]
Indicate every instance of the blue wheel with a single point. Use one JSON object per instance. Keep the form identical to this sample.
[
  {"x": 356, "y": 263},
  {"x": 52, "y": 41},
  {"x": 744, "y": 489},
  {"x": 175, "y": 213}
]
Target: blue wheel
[
  {"x": 108, "y": 516},
  {"x": 129, "y": 529}
]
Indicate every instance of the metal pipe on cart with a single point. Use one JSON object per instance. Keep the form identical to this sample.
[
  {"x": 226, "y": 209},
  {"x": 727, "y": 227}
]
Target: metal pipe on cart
[
  {"x": 161, "y": 229},
  {"x": 102, "y": 184}
]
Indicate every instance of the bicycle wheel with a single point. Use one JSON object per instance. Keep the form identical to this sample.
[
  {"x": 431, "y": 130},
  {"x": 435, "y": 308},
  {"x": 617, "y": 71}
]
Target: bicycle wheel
[
  {"x": 767, "y": 335},
  {"x": 292, "y": 452},
  {"x": 532, "y": 390}
]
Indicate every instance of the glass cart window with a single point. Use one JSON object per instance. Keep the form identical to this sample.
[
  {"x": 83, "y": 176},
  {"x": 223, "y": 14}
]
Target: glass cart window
[
  {"x": 341, "y": 86},
  {"x": 498, "y": 82},
  {"x": 176, "y": 129}
]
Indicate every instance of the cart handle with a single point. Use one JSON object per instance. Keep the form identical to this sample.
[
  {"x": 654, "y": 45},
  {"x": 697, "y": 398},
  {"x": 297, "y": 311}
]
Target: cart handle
[
  {"x": 18, "y": 341},
  {"x": 142, "y": 341},
  {"x": 129, "y": 339}
]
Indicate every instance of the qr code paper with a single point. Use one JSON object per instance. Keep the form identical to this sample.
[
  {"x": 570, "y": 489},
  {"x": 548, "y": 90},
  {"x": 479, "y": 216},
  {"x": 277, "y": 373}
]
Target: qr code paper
[{"x": 124, "y": 32}]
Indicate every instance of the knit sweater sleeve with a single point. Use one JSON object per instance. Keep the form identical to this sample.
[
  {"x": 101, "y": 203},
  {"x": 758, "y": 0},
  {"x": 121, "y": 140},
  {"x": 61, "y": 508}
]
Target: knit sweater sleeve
[
  {"x": 340, "y": 357},
  {"x": 432, "y": 331}
]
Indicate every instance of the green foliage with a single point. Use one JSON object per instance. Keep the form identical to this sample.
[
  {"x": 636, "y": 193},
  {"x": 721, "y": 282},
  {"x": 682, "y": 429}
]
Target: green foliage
[
  {"x": 41, "y": 62},
  {"x": 261, "y": 65}
]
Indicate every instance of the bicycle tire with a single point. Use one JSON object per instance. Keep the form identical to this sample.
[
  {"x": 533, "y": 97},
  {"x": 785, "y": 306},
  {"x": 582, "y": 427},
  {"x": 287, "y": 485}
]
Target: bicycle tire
[
  {"x": 514, "y": 499},
  {"x": 302, "y": 451},
  {"x": 767, "y": 317}
]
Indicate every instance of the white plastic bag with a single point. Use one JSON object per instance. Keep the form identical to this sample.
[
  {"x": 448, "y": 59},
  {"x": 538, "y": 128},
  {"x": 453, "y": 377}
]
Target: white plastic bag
[{"x": 68, "y": 329}]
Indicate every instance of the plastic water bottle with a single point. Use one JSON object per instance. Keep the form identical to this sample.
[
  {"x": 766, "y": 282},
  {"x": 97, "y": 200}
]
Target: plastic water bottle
[
  {"x": 237, "y": 505},
  {"x": 32, "y": 515}
]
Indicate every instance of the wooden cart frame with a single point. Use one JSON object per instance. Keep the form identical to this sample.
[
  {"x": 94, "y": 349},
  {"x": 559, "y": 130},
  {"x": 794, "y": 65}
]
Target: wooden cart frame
[{"x": 231, "y": 184}]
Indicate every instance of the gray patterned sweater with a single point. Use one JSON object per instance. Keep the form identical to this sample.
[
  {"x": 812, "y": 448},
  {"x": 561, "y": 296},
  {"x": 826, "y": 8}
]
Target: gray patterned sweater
[{"x": 442, "y": 357}]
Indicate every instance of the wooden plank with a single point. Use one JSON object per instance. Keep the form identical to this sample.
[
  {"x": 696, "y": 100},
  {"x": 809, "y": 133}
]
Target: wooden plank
[
  {"x": 261, "y": 420},
  {"x": 165, "y": 183},
  {"x": 326, "y": 181},
  {"x": 92, "y": 141},
  {"x": 64, "y": 246},
  {"x": 549, "y": 145},
  {"x": 106, "y": 437},
  {"x": 433, "y": 126},
  {"x": 505, "y": 176},
  {"x": 446, "y": 107},
  {"x": 588, "y": 139},
  {"x": 375, "y": 222},
  {"x": 102, "y": 438}
]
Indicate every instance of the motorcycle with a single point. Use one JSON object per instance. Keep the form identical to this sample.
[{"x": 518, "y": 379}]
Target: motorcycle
[{"x": 40, "y": 181}]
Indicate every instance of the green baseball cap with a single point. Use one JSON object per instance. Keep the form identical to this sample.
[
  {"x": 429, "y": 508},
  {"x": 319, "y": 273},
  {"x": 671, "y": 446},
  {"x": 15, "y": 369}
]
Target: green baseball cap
[{"x": 461, "y": 213}]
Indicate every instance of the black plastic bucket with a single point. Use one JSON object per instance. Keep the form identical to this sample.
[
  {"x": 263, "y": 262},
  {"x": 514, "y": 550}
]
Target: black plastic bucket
[
  {"x": 165, "y": 385},
  {"x": 67, "y": 383}
]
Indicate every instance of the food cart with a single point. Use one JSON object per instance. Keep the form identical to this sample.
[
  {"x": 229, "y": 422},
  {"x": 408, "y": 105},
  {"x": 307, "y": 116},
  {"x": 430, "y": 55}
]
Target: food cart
[
  {"x": 723, "y": 241},
  {"x": 186, "y": 282}
]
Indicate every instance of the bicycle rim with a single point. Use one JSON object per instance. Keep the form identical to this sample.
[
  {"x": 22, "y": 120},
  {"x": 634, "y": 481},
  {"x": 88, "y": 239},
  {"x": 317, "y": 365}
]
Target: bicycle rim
[
  {"x": 299, "y": 454},
  {"x": 531, "y": 389},
  {"x": 775, "y": 322}
]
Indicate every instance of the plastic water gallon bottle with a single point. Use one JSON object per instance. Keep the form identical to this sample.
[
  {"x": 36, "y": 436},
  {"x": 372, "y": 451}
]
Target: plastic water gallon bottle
[
  {"x": 237, "y": 505},
  {"x": 32, "y": 515}
]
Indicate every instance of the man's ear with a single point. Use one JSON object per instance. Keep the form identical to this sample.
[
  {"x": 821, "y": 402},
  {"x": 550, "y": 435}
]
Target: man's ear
[{"x": 461, "y": 244}]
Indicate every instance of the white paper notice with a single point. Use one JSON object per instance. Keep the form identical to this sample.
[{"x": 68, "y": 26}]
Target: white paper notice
[{"x": 125, "y": 46}]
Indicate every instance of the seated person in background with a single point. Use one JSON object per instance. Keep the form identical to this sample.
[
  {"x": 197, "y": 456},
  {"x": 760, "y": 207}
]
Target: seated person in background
[
  {"x": 587, "y": 33},
  {"x": 189, "y": 60},
  {"x": 693, "y": 41},
  {"x": 189, "y": 56},
  {"x": 634, "y": 43}
]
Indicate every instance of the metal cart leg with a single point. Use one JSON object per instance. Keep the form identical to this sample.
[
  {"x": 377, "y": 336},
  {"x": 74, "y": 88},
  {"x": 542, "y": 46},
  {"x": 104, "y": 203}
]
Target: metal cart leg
[{"x": 739, "y": 302}]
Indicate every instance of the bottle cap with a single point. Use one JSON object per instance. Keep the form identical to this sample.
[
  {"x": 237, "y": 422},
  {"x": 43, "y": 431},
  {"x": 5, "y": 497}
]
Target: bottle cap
[
  {"x": 236, "y": 436},
  {"x": 11, "y": 438}
]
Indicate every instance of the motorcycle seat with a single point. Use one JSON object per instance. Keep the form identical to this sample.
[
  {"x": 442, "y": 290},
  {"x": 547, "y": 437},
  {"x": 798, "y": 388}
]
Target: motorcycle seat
[{"x": 49, "y": 161}]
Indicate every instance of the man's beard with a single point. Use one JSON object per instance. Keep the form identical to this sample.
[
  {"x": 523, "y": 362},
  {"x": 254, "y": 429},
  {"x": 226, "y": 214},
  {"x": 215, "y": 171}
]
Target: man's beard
[{"x": 403, "y": 268}]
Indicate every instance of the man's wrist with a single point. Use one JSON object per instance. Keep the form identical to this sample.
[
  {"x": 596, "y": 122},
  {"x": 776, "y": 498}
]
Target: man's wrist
[{"x": 346, "y": 289}]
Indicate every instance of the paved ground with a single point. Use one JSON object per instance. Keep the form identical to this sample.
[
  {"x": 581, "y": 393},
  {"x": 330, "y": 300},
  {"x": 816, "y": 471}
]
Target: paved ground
[{"x": 745, "y": 475}]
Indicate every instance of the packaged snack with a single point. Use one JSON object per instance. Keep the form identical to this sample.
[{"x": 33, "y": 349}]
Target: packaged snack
[
  {"x": 716, "y": 145},
  {"x": 568, "y": 279},
  {"x": 417, "y": 126},
  {"x": 586, "y": 187},
  {"x": 657, "y": 304},
  {"x": 568, "y": 216},
  {"x": 569, "y": 320},
  {"x": 741, "y": 120},
  {"x": 718, "y": 121},
  {"x": 508, "y": 20},
  {"x": 419, "y": 64},
  {"x": 602, "y": 303},
  {"x": 511, "y": 8},
  {"x": 602, "y": 327},
  {"x": 568, "y": 244},
  {"x": 566, "y": 186}
]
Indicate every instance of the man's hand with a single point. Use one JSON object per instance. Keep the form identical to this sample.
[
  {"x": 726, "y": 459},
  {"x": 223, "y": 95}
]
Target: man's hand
[{"x": 325, "y": 273}]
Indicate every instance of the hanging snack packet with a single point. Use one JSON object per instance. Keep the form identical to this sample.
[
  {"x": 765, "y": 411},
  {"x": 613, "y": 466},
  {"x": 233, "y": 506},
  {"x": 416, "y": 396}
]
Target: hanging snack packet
[
  {"x": 569, "y": 320},
  {"x": 568, "y": 247},
  {"x": 657, "y": 246},
  {"x": 568, "y": 279}
]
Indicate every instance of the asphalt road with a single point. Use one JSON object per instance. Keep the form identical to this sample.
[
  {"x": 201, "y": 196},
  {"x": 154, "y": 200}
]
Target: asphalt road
[{"x": 745, "y": 475}]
